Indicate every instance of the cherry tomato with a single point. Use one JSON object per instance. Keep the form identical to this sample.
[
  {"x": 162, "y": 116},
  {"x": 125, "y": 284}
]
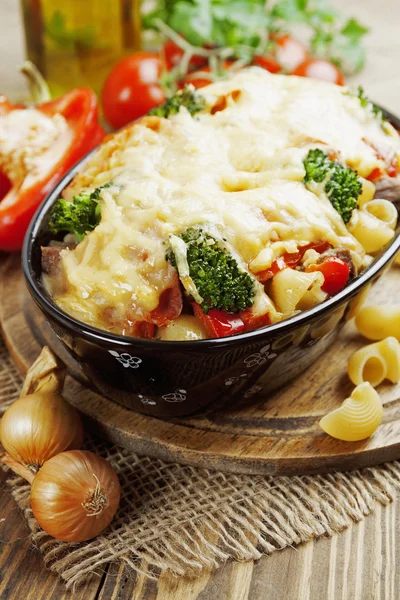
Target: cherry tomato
[
  {"x": 289, "y": 52},
  {"x": 336, "y": 273},
  {"x": 196, "y": 78},
  {"x": 132, "y": 88},
  {"x": 317, "y": 68},
  {"x": 173, "y": 54},
  {"x": 218, "y": 322},
  {"x": 268, "y": 63}
]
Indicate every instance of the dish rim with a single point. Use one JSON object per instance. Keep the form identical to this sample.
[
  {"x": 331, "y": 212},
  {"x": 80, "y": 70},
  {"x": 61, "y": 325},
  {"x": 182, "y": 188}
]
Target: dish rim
[{"x": 93, "y": 334}]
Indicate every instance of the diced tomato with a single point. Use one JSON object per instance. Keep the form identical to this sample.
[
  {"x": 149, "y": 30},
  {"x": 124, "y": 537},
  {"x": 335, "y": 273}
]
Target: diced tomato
[
  {"x": 268, "y": 63},
  {"x": 252, "y": 321},
  {"x": 219, "y": 323},
  {"x": 291, "y": 260},
  {"x": 375, "y": 174},
  {"x": 336, "y": 274},
  {"x": 276, "y": 266},
  {"x": 387, "y": 155}
]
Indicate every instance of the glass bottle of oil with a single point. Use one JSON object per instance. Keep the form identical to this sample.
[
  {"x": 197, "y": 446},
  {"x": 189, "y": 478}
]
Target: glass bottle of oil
[{"x": 76, "y": 42}]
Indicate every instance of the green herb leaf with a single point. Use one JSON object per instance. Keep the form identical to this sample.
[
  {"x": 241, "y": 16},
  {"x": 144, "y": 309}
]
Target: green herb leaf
[{"x": 353, "y": 30}]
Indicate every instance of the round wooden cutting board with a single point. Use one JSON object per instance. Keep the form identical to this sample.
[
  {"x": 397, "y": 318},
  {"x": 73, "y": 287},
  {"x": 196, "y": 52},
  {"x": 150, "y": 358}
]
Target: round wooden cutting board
[{"x": 277, "y": 436}]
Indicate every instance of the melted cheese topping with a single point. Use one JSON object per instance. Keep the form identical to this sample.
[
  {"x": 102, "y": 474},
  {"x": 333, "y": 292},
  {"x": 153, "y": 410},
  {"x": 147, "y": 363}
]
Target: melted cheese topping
[{"x": 239, "y": 170}]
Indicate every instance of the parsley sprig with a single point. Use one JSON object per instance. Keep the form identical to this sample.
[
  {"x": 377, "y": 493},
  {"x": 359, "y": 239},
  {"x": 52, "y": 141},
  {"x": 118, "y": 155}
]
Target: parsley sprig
[{"x": 245, "y": 27}]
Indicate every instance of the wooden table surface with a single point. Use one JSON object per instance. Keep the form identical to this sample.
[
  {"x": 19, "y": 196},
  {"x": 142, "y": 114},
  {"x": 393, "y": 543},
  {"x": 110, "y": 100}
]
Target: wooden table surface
[{"x": 361, "y": 563}]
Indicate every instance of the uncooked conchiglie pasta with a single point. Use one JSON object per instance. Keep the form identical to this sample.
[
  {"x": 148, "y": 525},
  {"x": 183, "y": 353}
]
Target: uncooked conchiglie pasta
[
  {"x": 379, "y": 322},
  {"x": 376, "y": 362},
  {"x": 358, "y": 418}
]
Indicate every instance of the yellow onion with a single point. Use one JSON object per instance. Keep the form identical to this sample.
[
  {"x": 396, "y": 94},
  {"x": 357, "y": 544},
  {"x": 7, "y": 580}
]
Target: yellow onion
[
  {"x": 75, "y": 495},
  {"x": 41, "y": 424},
  {"x": 357, "y": 418}
]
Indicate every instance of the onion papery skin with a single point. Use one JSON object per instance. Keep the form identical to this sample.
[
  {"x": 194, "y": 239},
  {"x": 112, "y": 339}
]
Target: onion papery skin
[
  {"x": 357, "y": 418},
  {"x": 39, "y": 426},
  {"x": 62, "y": 488}
]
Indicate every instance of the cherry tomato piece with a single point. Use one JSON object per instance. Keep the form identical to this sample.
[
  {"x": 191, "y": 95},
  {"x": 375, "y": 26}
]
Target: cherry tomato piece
[
  {"x": 198, "y": 81},
  {"x": 173, "y": 54},
  {"x": 219, "y": 323},
  {"x": 289, "y": 52},
  {"x": 268, "y": 63},
  {"x": 336, "y": 273},
  {"x": 317, "y": 68},
  {"x": 132, "y": 88}
]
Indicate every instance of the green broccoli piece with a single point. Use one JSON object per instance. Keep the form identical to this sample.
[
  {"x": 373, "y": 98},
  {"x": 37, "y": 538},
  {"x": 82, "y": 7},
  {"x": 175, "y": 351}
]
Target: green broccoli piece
[
  {"x": 342, "y": 184},
  {"x": 81, "y": 215},
  {"x": 317, "y": 165},
  {"x": 187, "y": 97},
  {"x": 215, "y": 273}
]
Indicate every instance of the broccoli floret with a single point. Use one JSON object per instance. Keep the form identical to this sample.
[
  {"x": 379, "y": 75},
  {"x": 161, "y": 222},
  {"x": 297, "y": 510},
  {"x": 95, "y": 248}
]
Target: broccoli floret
[
  {"x": 343, "y": 186},
  {"x": 187, "y": 97},
  {"x": 79, "y": 216},
  {"x": 317, "y": 165},
  {"x": 215, "y": 273}
]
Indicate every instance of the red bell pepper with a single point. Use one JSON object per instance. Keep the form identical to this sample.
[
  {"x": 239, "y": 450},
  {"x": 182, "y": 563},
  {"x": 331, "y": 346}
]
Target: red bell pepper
[
  {"x": 291, "y": 260},
  {"x": 20, "y": 196},
  {"x": 219, "y": 323},
  {"x": 336, "y": 273}
]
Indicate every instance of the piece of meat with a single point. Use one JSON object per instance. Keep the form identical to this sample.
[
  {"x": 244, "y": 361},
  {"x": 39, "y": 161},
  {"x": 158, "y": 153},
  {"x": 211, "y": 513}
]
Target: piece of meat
[
  {"x": 388, "y": 188},
  {"x": 51, "y": 257},
  {"x": 51, "y": 260},
  {"x": 170, "y": 304},
  {"x": 344, "y": 254}
]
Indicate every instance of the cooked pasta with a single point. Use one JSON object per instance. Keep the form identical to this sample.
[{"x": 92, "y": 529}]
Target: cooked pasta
[
  {"x": 376, "y": 362},
  {"x": 357, "y": 418},
  {"x": 378, "y": 322},
  {"x": 289, "y": 287},
  {"x": 371, "y": 232},
  {"x": 383, "y": 210},
  {"x": 236, "y": 178}
]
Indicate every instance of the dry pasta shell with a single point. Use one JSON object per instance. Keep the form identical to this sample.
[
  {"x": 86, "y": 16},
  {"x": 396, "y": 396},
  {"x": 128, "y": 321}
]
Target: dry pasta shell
[{"x": 357, "y": 418}]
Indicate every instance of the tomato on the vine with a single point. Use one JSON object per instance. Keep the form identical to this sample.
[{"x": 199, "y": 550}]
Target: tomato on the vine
[
  {"x": 268, "y": 63},
  {"x": 318, "y": 68},
  {"x": 289, "y": 52},
  {"x": 172, "y": 55},
  {"x": 132, "y": 88}
]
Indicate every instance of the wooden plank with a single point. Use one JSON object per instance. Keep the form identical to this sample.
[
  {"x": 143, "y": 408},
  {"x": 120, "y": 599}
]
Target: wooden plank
[{"x": 22, "y": 573}]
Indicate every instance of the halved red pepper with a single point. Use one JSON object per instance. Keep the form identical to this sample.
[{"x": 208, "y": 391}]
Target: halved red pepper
[
  {"x": 219, "y": 323},
  {"x": 20, "y": 197}
]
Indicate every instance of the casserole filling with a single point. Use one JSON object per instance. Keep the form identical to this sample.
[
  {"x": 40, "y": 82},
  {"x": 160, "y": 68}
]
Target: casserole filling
[{"x": 242, "y": 214}]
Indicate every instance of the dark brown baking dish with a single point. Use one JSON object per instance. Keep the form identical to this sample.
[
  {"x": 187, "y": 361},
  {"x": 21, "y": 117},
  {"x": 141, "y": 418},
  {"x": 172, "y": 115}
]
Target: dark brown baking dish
[{"x": 170, "y": 379}]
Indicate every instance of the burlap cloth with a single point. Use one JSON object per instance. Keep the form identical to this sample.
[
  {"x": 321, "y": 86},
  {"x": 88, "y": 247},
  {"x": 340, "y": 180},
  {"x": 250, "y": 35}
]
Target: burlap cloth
[{"x": 183, "y": 519}]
